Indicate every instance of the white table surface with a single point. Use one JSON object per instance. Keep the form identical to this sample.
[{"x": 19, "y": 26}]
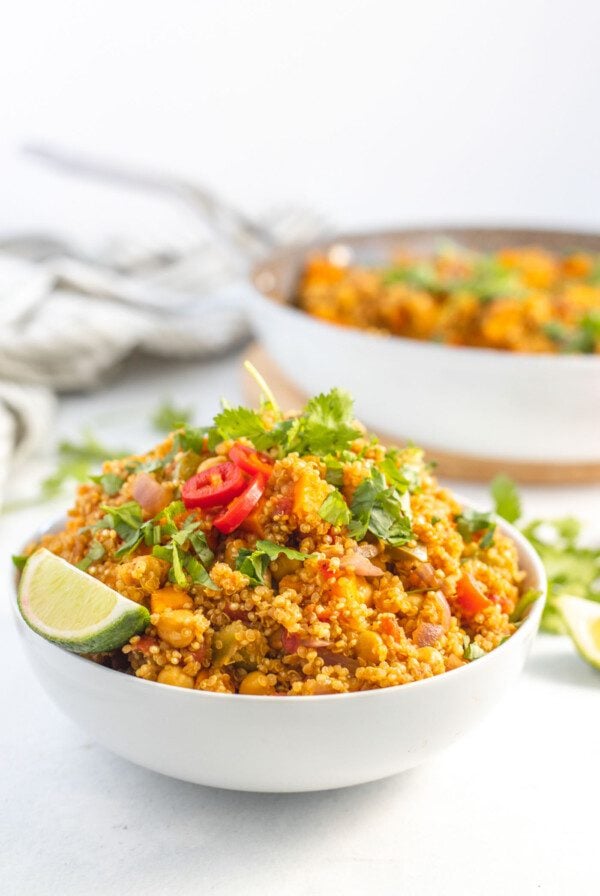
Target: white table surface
[{"x": 512, "y": 809}]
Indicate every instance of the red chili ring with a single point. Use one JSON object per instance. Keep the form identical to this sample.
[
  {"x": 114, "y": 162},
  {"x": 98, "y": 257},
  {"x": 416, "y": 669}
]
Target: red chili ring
[
  {"x": 234, "y": 515},
  {"x": 251, "y": 461},
  {"x": 214, "y": 486}
]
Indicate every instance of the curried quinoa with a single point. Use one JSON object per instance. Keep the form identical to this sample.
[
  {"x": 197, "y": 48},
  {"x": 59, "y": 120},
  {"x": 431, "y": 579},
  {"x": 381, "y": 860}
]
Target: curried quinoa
[
  {"x": 291, "y": 555},
  {"x": 520, "y": 300}
]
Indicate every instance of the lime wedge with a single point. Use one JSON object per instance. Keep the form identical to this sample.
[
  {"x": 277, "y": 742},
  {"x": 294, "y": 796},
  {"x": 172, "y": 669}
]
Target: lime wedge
[
  {"x": 582, "y": 621},
  {"x": 71, "y": 608}
]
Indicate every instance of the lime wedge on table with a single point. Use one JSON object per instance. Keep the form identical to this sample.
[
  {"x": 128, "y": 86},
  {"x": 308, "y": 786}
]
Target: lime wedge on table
[
  {"x": 582, "y": 620},
  {"x": 71, "y": 608}
]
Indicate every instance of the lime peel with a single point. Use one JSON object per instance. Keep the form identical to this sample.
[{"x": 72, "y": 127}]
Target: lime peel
[
  {"x": 582, "y": 620},
  {"x": 67, "y": 606}
]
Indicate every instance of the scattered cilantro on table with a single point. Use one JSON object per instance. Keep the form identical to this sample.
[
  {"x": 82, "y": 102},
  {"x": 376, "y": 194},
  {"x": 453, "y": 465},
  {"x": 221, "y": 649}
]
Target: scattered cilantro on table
[
  {"x": 570, "y": 567},
  {"x": 168, "y": 417}
]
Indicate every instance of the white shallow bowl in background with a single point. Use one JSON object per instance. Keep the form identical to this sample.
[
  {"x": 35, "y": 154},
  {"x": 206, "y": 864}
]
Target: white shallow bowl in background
[
  {"x": 282, "y": 744},
  {"x": 471, "y": 402}
]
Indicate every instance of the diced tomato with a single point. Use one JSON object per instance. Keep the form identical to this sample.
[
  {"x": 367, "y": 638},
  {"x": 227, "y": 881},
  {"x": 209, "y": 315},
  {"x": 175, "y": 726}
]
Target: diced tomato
[
  {"x": 214, "y": 486},
  {"x": 250, "y": 461},
  {"x": 390, "y": 627},
  {"x": 241, "y": 507},
  {"x": 144, "y": 644},
  {"x": 470, "y": 597}
]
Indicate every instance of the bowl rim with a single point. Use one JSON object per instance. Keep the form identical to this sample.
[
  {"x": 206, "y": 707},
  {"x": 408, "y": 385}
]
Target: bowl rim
[
  {"x": 531, "y": 619},
  {"x": 291, "y": 254}
]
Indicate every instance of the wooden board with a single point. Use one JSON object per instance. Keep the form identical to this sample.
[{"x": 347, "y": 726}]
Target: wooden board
[{"x": 453, "y": 466}]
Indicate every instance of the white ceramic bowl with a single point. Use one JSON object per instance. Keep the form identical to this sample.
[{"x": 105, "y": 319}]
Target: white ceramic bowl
[
  {"x": 480, "y": 403},
  {"x": 282, "y": 744}
]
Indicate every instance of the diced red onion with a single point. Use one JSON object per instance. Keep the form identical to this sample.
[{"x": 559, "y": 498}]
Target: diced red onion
[{"x": 150, "y": 495}]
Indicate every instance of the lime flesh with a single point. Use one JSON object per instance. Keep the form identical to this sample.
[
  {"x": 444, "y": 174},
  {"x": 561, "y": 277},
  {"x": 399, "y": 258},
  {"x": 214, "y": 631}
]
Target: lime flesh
[
  {"x": 69, "y": 607},
  {"x": 582, "y": 620}
]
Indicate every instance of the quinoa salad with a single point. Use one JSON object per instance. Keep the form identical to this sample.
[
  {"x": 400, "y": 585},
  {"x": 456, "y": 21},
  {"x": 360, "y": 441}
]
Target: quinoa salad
[
  {"x": 517, "y": 299},
  {"x": 291, "y": 554}
]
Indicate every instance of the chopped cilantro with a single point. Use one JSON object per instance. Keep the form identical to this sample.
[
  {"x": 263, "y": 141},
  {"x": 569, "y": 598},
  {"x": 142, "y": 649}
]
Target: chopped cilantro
[
  {"x": 335, "y": 510},
  {"x": 168, "y": 417},
  {"x": 96, "y": 552},
  {"x": 335, "y": 471},
  {"x": 471, "y": 523},
  {"x": 418, "y": 276},
  {"x": 124, "y": 519},
  {"x": 507, "y": 502},
  {"x": 473, "y": 651},
  {"x": 381, "y": 510},
  {"x": 110, "y": 482},
  {"x": 571, "y": 568},
  {"x": 186, "y": 551},
  {"x": 490, "y": 280},
  {"x": 254, "y": 564},
  {"x": 580, "y": 339},
  {"x": 404, "y": 476}
]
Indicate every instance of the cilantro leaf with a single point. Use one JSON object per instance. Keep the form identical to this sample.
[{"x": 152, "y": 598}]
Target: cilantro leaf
[
  {"x": 198, "y": 574},
  {"x": 168, "y": 417},
  {"x": 335, "y": 510},
  {"x": 235, "y": 423},
  {"x": 254, "y": 564},
  {"x": 473, "y": 524},
  {"x": 473, "y": 651},
  {"x": 507, "y": 502},
  {"x": 96, "y": 552},
  {"x": 381, "y": 510},
  {"x": 200, "y": 545},
  {"x": 405, "y": 477},
  {"x": 335, "y": 470},
  {"x": 124, "y": 519},
  {"x": 326, "y": 426},
  {"x": 571, "y": 568},
  {"x": 110, "y": 482},
  {"x": 418, "y": 276}
]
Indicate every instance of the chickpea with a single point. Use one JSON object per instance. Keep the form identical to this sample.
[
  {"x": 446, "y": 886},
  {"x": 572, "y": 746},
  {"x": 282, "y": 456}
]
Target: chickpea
[
  {"x": 176, "y": 627},
  {"x": 370, "y": 648},
  {"x": 210, "y": 462},
  {"x": 175, "y": 676},
  {"x": 188, "y": 465},
  {"x": 170, "y": 598},
  {"x": 284, "y": 566},
  {"x": 256, "y": 683}
]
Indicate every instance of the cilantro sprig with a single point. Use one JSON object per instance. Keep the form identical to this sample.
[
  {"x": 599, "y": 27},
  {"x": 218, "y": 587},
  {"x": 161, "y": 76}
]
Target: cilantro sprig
[
  {"x": 382, "y": 510},
  {"x": 326, "y": 426}
]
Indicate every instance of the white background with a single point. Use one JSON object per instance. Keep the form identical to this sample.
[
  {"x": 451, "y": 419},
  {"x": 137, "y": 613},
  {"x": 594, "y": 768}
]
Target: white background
[{"x": 373, "y": 113}]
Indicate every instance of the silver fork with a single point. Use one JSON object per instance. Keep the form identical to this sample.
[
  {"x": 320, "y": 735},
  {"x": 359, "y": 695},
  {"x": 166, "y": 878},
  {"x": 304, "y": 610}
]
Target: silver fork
[{"x": 227, "y": 222}]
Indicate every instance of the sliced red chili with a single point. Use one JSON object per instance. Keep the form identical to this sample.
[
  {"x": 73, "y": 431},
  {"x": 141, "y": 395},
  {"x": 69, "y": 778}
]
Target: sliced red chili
[
  {"x": 241, "y": 506},
  {"x": 250, "y": 461},
  {"x": 213, "y": 487}
]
